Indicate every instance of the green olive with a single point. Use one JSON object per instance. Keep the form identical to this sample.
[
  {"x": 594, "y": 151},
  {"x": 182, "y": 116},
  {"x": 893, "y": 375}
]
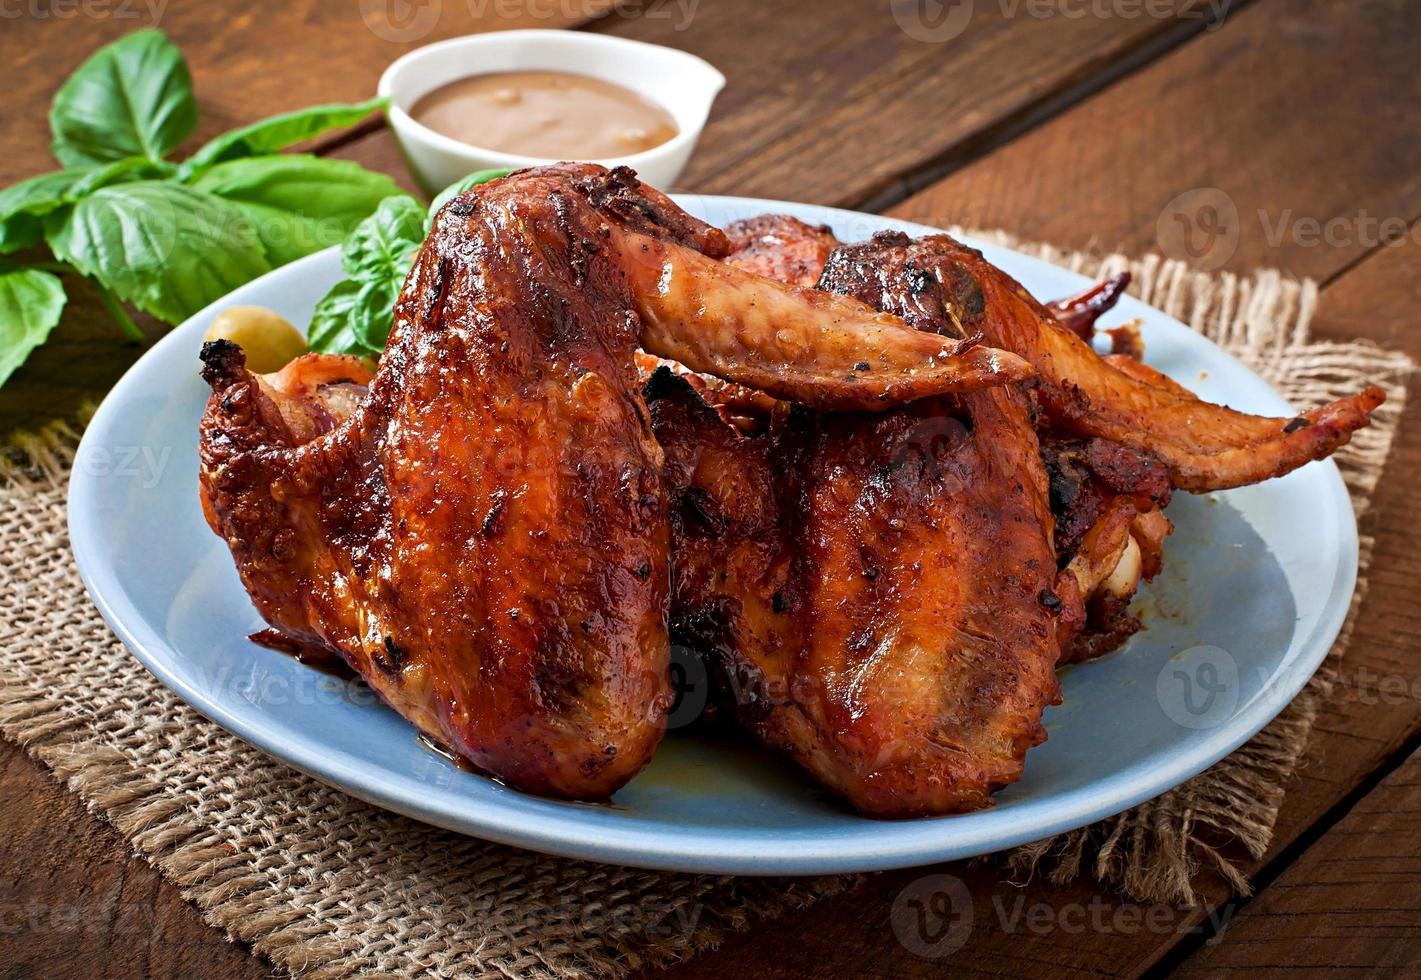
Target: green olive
[{"x": 268, "y": 339}]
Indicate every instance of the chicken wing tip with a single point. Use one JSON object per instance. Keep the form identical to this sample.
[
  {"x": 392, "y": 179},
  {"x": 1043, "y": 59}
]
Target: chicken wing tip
[
  {"x": 1345, "y": 415},
  {"x": 222, "y": 362}
]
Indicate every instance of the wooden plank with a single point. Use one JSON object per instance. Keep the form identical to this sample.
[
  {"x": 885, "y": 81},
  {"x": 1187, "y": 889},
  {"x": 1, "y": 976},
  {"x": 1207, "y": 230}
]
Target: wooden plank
[
  {"x": 248, "y": 61},
  {"x": 1351, "y": 905},
  {"x": 74, "y": 903},
  {"x": 1293, "y": 113},
  {"x": 860, "y": 99}
]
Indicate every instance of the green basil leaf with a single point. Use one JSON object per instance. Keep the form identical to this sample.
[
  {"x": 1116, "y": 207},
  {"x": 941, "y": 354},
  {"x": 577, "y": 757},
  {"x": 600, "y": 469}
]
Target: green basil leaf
[
  {"x": 165, "y": 248},
  {"x": 356, "y": 316},
  {"x": 279, "y": 132},
  {"x": 24, "y": 204},
  {"x": 119, "y": 172},
  {"x": 30, "y": 304},
  {"x": 374, "y": 314},
  {"x": 330, "y": 331},
  {"x": 383, "y": 245},
  {"x": 460, "y": 186},
  {"x": 132, "y": 98},
  {"x": 298, "y": 204}
]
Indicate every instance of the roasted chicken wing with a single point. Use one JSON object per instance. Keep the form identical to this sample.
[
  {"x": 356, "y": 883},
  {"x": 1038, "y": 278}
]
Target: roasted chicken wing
[
  {"x": 878, "y": 595},
  {"x": 1204, "y": 446},
  {"x": 484, "y": 536},
  {"x": 876, "y": 592},
  {"x": 883, "y": 489},
  {"x": 885, "y": 598}
]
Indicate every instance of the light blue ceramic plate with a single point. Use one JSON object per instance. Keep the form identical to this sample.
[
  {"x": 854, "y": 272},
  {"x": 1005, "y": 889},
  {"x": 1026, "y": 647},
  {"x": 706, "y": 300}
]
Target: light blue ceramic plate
[{"x": 1256, "y": 584}]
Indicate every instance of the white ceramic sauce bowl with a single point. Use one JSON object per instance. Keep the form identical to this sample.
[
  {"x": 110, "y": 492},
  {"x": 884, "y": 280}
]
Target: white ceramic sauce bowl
[{"x": 682, "y": 83}]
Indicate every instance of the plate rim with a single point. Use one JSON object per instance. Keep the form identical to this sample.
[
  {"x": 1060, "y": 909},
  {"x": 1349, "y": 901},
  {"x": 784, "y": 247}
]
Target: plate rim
[{"x": 569, "y": 832}]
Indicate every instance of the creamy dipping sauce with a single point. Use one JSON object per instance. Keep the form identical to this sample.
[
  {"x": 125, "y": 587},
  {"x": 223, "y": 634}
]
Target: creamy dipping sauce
[{"x": 546, "y": 114}]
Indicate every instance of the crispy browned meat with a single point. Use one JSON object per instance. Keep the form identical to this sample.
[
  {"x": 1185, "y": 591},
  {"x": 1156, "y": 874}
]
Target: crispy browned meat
[
  {"x": 793, "y": 251},
  {"x": 813, "y": 347},
  {"x": 775, "y": 246},
  {"x": 1087, "y": 475},
  {"x": 1205, "y": 446},
  {"x": 484, "y": 538},
  {"x": 739, "y": 404},
  {"x": 1110, "y": 527},
  {"x": 780, "y": 247},
  {"x": 880, "y": 593},
  {"x": 878, "y": 608}
]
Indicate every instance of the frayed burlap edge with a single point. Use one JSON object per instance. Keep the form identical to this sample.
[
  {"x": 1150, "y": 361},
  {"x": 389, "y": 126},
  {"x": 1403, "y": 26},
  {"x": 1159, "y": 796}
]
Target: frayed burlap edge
[{"x": 1151, "y": 852}]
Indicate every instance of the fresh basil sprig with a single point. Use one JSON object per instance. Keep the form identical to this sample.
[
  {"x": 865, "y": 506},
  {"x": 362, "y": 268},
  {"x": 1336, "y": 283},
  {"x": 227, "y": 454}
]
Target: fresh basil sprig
[
  {"x": 355, "y": 317},
  {"x": 167, "y": 237}
]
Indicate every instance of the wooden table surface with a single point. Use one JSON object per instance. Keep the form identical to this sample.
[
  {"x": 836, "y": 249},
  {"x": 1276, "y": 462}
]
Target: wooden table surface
[{"x": 1073, "y": 121}]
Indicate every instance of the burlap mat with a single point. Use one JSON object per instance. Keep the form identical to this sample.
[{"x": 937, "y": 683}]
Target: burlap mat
[{"x": 327, "y": 886}]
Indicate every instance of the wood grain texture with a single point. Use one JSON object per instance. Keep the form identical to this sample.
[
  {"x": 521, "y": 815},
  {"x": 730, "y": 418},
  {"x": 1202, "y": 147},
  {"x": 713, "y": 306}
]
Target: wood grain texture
[
  {"x": 74, "y": 903},
  {"x": 1291, "y": 120},
  {"x": 248, "y": 60},
  {"x": 1349, "y": 906},
  {"x": 860, "y": 100}
]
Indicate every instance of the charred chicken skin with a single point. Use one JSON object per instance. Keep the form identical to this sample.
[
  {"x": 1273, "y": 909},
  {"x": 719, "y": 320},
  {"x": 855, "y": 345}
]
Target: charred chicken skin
[
  {"x": 1139, "y": 433},
  {"x": 874, "y": 605},
  {"x": 484, "y": 538},
  {"x": 878, "y": 594}
]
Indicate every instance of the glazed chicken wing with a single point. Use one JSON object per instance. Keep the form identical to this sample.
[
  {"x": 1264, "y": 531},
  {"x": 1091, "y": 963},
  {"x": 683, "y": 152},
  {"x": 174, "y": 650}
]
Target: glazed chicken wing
[
  {"x": 878, "y": 594},
  {"x": 881, "y": 607},
  {"x": 777, "y": 247},
  {"x": 1205, "y": 446},
  {"x": 484, "y": 536}
]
